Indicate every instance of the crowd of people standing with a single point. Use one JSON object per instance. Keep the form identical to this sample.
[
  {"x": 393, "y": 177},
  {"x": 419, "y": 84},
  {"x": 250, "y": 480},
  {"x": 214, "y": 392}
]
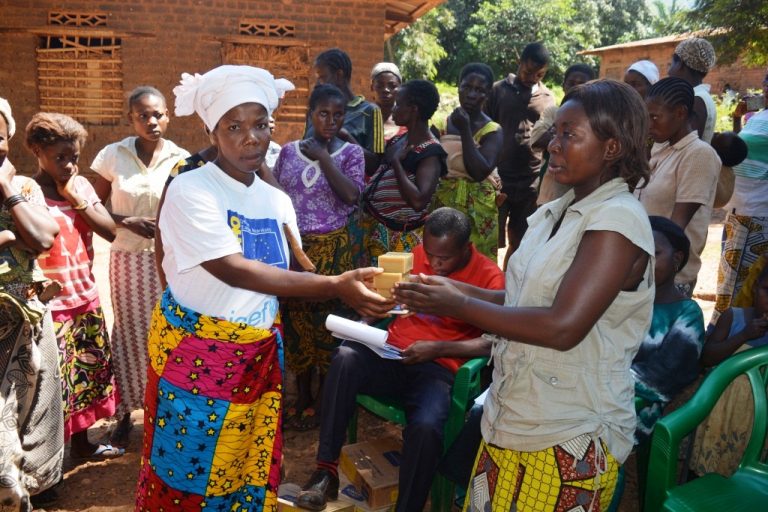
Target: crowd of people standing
[{"x": 224, "y": 265}]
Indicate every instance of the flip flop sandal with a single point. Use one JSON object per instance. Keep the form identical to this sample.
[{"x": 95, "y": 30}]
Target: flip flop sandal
[{"x": 103, "y": 452}]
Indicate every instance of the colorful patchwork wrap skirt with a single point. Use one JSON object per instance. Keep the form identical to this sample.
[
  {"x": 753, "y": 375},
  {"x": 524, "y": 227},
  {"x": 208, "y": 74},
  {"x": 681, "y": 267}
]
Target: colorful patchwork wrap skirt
[{"x": 212, "y": 436}]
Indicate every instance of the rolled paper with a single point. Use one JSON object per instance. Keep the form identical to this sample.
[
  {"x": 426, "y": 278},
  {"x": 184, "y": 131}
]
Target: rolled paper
[{"x": 357, "y": 331}]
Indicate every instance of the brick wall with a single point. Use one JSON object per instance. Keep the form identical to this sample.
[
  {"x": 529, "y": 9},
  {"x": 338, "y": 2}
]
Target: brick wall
[
  {"x": 163, "y": 39},
  {"x": 739, "y": 76}
]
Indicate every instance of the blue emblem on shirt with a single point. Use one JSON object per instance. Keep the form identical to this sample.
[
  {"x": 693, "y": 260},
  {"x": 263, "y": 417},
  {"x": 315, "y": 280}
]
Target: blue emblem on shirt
[{"x": 260, "y": 239}]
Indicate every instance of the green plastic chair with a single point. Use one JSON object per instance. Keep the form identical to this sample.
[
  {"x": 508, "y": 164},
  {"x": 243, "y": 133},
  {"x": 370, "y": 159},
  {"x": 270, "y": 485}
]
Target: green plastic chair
[
  {"x": 466, "y": 387},
  {"x": 747, "y": 488}
]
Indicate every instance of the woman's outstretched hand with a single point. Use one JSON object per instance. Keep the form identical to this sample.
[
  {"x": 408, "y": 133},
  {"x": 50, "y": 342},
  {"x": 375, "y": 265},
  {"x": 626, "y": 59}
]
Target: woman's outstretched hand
[
  {"x": 433, "y": 295},
  {"x": 355, "y": 288}
]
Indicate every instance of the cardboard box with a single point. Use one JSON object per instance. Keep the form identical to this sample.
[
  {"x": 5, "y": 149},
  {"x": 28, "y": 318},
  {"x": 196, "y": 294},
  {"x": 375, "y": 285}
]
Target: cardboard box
[
  {"x": 373, "y": 468},
  {"x": 351, "y": 494},
  {"x": 286, "y": 497}
]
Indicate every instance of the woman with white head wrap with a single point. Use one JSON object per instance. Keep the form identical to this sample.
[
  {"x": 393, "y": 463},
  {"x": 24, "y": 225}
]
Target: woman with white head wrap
[
  {"x": 32, "y": 447},
  {"x": 641, "y": 75},
  {"x": 214, "y": 391}
]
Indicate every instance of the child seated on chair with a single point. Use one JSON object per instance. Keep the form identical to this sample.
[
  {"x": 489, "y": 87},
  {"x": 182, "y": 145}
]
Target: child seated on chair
[
  {"x": 721, "y": 439},
  {"x": 433, "y": 348},
  {"x": 668, "y": 359}
]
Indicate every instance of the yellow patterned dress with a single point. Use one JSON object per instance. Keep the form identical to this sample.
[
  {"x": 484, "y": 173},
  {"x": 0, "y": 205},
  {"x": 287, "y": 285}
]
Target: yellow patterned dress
[{"x": 477, "y": 199}]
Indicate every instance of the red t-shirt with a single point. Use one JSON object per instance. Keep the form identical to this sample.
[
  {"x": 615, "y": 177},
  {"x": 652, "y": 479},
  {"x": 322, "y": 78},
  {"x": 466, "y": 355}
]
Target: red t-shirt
[{"x": 405, "y": 331}]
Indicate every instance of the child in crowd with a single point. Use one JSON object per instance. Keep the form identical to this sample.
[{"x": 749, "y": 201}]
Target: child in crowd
[
  {"x": 563, "y": 335},
  {"x": 85, "y": 355},
  {"x": 720, "y": 440},
  {"x": 131, "y": 174},
  {"x": 684, "y": 171},
  {"x": 323, "y": 176},
  {"x": 668, "y": 359},
  {"x": 362, "y": 122},
  {"x": 473, "y": 143}
]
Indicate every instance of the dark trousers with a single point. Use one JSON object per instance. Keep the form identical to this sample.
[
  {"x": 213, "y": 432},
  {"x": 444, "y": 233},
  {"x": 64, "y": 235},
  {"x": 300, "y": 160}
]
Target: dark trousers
[
  {"x": 424, "y": 390},
  {"x": 513, "y": 216}
]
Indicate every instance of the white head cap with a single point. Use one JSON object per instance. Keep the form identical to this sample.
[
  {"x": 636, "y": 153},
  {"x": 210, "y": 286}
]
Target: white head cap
[
  {"x": 213, "y": 94},
  {"x": 646, "y": 68},
  {"x": 5, "y": 111}
]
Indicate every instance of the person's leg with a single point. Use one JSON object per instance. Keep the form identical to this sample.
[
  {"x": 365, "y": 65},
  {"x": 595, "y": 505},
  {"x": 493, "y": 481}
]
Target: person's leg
[
  {"x": 521, "y": 206},
  {"x": 354, "y": 369},
  {"x": 427, "y": 403}
]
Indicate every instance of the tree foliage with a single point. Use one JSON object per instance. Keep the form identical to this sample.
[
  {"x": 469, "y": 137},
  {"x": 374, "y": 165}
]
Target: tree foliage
[
  {"x": 503, "y": 28},
  {"x": 737, "y": 27},
  {"x": 669, "y": 18},
  {"x": 418, "y": 48}
]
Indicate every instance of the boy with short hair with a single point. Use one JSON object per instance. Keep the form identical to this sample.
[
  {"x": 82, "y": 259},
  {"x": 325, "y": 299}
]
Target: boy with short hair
[{"x": 516, "y": 103}]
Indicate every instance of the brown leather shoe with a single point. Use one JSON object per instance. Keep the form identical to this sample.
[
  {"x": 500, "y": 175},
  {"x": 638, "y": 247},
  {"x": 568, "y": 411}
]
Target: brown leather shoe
[{"x": 321, "y": 487}]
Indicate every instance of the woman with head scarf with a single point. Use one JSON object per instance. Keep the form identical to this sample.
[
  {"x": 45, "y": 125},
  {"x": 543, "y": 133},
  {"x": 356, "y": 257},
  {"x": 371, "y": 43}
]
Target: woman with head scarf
[
  {"x": 641, "y": 75},
  {"x": 214, "y": 388}
]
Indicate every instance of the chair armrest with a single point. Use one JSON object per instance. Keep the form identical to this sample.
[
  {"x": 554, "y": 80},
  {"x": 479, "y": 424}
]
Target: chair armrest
[
  {"x": 466, "y": 387},
  {"x": 466, "y": 383},
  {"x": 671, "y": 429}
]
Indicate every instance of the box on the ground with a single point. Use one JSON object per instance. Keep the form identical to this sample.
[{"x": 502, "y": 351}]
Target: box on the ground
[
  {"x": 373, "y": 467},
  {"x": 355, "y": 496},
  {"x": 286, "y": 498}
]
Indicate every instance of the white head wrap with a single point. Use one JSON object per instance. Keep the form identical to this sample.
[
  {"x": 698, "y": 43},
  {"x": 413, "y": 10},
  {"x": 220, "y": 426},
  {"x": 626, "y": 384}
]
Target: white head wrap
[
  {"x": 213, "y": 94},
  {"x": 646, "y": 68},
  {"x": 386, "y": 67},
  {"x": 5, "y": 110}
]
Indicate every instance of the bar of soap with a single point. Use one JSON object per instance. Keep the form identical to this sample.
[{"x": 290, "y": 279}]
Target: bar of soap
[
  {"x": 396, "y": 262},
  {"x": 386, "y": 280}
]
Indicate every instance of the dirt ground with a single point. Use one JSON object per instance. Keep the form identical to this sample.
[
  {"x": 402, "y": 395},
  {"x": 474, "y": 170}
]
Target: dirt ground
[{"x": 109, "y": 486}]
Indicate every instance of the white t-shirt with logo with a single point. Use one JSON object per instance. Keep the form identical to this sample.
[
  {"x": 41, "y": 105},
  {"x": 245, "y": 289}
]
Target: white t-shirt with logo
[{"x": 208, "y": 215}]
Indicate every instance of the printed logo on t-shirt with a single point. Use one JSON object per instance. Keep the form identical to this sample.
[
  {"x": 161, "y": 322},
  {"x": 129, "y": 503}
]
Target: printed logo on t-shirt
[{"x": 260, "y": 239}]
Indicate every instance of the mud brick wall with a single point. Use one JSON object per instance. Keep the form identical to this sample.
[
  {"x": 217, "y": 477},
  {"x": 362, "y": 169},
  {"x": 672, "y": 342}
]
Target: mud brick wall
[{"x": 160, "y": 39}]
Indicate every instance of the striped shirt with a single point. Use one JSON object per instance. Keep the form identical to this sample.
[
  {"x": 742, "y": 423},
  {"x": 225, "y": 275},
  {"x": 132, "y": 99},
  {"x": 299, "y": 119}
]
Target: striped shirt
[{"x": 382, "y": 197}]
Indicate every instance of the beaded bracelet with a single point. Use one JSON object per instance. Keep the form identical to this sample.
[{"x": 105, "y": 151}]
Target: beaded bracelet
[{"x": 13, "y": 200}]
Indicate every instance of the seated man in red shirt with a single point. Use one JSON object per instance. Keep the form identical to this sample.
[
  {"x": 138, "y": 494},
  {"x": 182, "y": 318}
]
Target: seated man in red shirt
[{"x": 433, "y": 348}]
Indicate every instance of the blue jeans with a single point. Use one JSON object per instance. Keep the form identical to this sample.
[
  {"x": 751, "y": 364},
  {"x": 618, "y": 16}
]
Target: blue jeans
[{"x": 423, "y": 389}]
